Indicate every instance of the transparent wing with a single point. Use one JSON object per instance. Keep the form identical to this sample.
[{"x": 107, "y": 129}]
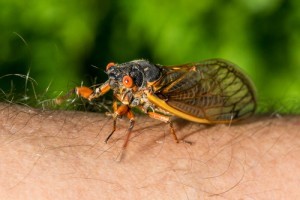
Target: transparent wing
[{"x": 215, "y": 90}]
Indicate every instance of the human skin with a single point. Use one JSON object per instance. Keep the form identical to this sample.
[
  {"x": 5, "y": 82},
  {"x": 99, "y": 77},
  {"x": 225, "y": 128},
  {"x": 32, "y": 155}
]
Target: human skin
[{"x": 62, "y": 155}]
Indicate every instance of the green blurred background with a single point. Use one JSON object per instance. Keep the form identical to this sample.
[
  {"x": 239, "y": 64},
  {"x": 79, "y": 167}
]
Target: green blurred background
[{"x": 58, "y": 43}]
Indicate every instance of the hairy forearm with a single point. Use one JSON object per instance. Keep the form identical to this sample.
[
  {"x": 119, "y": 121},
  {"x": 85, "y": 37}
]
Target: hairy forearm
[{"x": 62, "y": 155}]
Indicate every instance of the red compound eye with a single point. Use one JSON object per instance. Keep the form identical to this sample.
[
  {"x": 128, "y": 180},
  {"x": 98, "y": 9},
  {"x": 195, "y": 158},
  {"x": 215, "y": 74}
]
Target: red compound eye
[
  {"x": 127, "y": 81},
  {"x": 109, "y": 65}
]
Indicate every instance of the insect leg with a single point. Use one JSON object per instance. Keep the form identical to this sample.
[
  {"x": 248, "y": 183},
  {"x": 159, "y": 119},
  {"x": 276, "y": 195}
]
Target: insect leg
[
  {"x": 115, "y": 116},
  {"x": 89, "y": 94},
  {"x": 118, "y": 112},
  {"x": 131, "y": 118},
  {"x": 165, "y": 119},
  {"x": 83, "y": 91},
  {"x": 99, "y": 91},
  {"x": 173, "y": 132}
]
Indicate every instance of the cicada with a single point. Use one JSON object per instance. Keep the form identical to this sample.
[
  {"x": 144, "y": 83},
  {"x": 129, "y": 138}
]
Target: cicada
[{"x": 211, "y": 92}]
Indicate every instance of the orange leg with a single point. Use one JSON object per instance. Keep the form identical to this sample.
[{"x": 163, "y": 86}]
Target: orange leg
[
  {"x": 83, "y": 91},
  {"x": 118, "y": 112},
  {"x": 130, "y": 116},
  {"x": 165, "y": 119},
  {"x": 89, "y": 94},
  {"x": 122, "y": 110},
  {"x": 115, "y": 116}
]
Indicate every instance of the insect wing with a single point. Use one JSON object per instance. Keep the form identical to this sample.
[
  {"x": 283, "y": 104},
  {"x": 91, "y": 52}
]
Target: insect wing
[{"x": 215, "y": 90}]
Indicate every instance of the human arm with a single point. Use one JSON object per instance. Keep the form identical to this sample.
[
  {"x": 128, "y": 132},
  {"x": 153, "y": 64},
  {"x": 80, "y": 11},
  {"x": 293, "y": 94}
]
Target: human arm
[{"x": 61, "y": 155}]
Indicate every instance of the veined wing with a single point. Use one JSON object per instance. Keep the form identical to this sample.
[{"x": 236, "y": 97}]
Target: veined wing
[{"x": 215, "y": 90}]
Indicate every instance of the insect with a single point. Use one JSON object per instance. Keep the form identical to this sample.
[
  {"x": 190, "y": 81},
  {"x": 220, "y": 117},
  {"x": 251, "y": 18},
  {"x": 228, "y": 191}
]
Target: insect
[{"x": 210, "y": 92}]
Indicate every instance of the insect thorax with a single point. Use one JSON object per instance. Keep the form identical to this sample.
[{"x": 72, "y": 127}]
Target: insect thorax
[{"x": 141, "y": 73}]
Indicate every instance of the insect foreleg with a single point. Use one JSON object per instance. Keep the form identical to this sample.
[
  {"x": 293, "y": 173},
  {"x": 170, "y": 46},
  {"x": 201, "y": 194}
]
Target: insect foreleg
[
  {"x": 118, "y": 112},
  {"x": 83, "y": 91},
  {"x": 89, "y": 94}
]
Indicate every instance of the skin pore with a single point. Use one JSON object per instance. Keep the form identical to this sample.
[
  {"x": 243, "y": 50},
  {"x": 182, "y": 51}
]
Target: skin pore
[{"x": 62, "y": 155}]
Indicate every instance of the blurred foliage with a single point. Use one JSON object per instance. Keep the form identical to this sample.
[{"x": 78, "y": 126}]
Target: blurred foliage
[{"x": 58, "y": 43}]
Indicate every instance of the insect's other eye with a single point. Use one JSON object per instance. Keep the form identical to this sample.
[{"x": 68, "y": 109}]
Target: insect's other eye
[
  {"x": 109, "y": 65},
  {"x": 127, "y": 81}
]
